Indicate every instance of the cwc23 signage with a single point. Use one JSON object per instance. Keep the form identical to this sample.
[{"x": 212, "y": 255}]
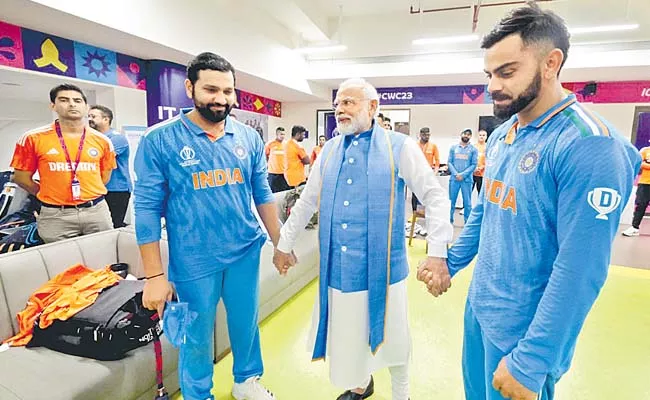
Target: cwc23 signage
[{"x": 588, "y": 92}]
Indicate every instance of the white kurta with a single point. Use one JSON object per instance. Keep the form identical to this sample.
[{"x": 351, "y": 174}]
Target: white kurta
[{"x": 348, "y": 350}]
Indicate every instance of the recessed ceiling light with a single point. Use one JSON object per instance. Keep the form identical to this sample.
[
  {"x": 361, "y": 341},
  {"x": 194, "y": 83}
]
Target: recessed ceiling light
[
  {"x": 321, "y": 49},
  {"x": 603, "y": 28},
  {"x": 445, "y": 39}
]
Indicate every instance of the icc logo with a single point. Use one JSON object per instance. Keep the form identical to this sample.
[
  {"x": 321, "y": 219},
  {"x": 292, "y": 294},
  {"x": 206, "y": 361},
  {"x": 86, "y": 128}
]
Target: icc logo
[
  {"x": 187, "y": 153},
  {"x": 604, "y": 201}
]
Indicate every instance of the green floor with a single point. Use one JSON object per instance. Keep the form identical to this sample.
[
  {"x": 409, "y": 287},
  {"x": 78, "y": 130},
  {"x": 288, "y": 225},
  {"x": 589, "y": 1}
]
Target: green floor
[{"x": 612, "y": 360}]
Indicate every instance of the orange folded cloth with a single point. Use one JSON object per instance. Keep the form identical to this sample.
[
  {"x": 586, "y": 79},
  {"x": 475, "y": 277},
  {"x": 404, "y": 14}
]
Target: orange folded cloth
[{"x": 60, "y": 298}]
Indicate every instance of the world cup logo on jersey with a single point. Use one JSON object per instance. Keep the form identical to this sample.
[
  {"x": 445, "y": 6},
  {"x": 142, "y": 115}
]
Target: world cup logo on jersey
[
  {"x": 604, "y": 201},
  {"x": 187, "y": 153},
  {"x": 188, "y": 156}
]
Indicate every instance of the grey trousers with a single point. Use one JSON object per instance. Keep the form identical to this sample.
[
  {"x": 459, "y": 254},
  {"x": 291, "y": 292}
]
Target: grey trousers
[{"x": 56, "y": 224}]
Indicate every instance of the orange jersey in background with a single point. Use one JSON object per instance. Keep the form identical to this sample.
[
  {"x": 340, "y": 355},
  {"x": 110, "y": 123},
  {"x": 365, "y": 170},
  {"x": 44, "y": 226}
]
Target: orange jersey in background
[
  {"x": 314, "y": 154},
  {"x": 480, "y": 166},
  {"x": 275, "y": 155},
  {"x": 60, "y": 298},
  {"x": 40, "y": 150},
  {"x": 645, "y": 166},
  {"x": 294, "y": 169},
  {"x": 430, "y": 151}
]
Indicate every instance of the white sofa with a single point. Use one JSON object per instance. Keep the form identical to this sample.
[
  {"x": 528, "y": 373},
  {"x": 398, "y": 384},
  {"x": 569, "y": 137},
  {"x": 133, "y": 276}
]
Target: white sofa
[{"x": 39, "y": 373}]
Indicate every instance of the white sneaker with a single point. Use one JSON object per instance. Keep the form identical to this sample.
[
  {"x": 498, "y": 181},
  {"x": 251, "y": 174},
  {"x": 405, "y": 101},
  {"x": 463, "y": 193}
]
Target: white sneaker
[
  {"x": 631, "y": 231},
  {"x": 252, "y": 389}
]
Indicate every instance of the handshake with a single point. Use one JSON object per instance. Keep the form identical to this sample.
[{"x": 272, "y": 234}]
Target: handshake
[
  {"x": 434, "y": 273},
  {"x": 284, "y": 261}
]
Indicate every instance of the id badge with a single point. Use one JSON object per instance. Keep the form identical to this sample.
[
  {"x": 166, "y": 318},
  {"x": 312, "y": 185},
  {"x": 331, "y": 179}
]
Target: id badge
[{"x": 76, "y": 189}]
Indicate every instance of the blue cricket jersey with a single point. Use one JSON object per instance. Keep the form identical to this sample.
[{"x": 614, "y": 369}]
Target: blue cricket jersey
[
  {"x": 462, "y": 160},
  {"x": 203, "y": 189},
  {"x": 120, "y": 177},
  {"x": 543, "y": 228}
]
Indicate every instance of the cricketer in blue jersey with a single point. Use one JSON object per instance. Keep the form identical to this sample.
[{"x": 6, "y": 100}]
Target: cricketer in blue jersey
[
  {"x": 120, "y": 186},
  {"x": 546, "y": 218},
  {"x": 462, "y": 162},
  {"x": 202, "y": 171}
]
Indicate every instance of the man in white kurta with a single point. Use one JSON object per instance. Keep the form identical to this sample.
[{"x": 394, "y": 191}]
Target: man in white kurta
[{"x": 358, "y": 186}]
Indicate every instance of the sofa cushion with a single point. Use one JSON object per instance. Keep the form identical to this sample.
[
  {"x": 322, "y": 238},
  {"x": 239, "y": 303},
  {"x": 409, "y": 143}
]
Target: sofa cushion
[
  {"x": 129, "y": 252},
  {"x": 6, "y": 327},
  {"x": 22, "y": 273},
  {"x": 66, "y": 377},
  {"x": 60, "y": 256},
  {"x": 99, "y": 249}
]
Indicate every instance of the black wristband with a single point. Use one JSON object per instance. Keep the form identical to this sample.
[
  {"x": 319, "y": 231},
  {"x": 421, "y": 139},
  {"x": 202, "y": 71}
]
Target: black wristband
[{"x": 155, "y": 276}]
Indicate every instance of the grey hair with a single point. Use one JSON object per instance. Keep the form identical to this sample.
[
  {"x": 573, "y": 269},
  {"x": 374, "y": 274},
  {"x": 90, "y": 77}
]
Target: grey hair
[{"x": 369, "y": 91}]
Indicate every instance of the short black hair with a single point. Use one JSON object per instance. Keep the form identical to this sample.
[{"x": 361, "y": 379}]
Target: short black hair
[
  {"x": 208, "y": 61},
  {"x": 425, "y": 130},
  {"x": 66, "y": 86},
  {"x": 322, "y": 136},
  {"x": 297, "y": 129},
  {"x": 380, "y": 115},
  {"x": 466, "y": 131},
  {"x": 386, "y": 119},
  {"x": 105, "y": 111},
  {"x": 534, "y": 25},
  {"x": 279, "y": 128}
]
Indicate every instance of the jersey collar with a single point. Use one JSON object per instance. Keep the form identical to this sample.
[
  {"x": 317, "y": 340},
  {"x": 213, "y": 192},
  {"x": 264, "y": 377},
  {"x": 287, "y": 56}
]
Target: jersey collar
[{"x": 195, "y": 129}]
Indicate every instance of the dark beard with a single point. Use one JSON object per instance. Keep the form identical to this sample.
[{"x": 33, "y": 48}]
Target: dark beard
[
  {"x": 212, "y": 116},
  {"x": 465, "y": 140},
  {"x": 92, "y": 124},
  {"x": 521, "y": 102}
]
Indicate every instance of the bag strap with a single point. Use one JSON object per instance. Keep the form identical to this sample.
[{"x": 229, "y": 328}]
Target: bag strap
[{"x": 162, "y": 392}]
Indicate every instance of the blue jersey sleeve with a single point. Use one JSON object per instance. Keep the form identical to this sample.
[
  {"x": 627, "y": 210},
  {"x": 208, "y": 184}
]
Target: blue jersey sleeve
[
  {"x": 590, "y": 202},
  {"x": 450, "y": 162},
  {"x": 151, "y": 191},
  {"x": 259, "y": 182},
  {"x": 120, "y": 144},
  {"x": 473, "y": 160},
  {"x": 464, "y": 249}
]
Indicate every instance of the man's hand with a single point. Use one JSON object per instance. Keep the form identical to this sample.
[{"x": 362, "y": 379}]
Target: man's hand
[
  {"x": 284, "y": 261},
  {"x": 157, "y": 291},
  {"x": 434, "y": 272},
  {"x": 459, "y": 177},
  {"x": 508, "y": 386}
]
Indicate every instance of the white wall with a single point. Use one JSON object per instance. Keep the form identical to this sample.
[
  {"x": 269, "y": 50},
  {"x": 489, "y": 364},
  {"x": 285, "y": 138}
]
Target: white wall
[
  {"x": 16, "y": 118},
  {"x": 129, "y": 107}
]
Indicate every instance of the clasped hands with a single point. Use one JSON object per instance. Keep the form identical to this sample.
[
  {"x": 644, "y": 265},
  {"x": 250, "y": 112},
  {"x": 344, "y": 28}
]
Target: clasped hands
[
  {"x": 284, "y": 261},
  {"x": 434, "y": 273}
]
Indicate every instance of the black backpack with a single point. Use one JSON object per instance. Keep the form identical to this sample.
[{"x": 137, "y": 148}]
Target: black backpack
[{"x": 108, "y": 329}]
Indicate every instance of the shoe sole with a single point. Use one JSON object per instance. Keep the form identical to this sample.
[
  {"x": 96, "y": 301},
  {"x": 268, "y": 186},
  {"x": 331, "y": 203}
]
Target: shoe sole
[{"x": 630, "y": 234}]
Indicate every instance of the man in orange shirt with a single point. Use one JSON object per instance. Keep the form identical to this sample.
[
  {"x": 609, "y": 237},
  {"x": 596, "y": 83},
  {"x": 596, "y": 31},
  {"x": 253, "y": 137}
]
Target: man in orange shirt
[
  {"x": 316, "y": 151},
  {"x": 480, "y": 166},
  {"x": 295, "y": 158},
  {"x": 74, "y": 163},
  {"x": 274, "y": 151},
  {"x": 642, "y": 194},
  {"x": 432, "y": 155}
]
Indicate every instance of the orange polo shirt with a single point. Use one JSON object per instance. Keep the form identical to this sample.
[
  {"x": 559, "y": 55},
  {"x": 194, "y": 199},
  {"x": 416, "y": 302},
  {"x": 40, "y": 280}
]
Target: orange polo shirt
[
  {"x": 314, "y": 154},
  {"x": 430, "y": 151},
  {"x": 645, "y": 166},
  {"x": 40, "y": 150},
  {"x": 274, "y": 151},
  {"x": 480, "y": 166},
  {"x": 294, "y": 169}
]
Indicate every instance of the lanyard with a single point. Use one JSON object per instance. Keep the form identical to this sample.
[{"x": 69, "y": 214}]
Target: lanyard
[{"x": 65, "y": 148}]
